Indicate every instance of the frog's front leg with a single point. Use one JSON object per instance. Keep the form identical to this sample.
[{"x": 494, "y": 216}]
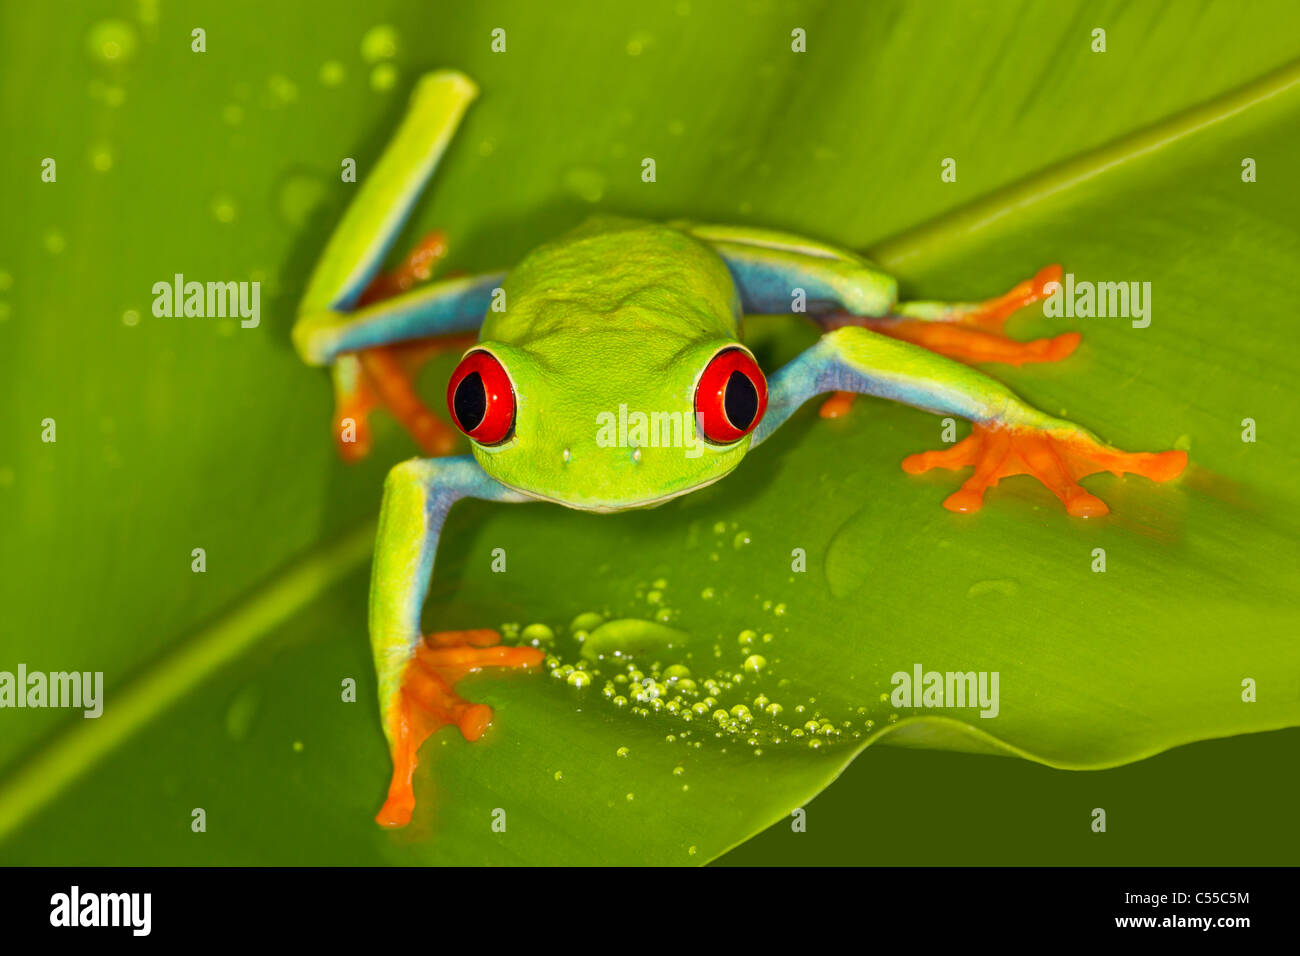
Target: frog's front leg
[
  {"x": 1008, "y": 436},
  {"x": 377, "y": 329},
  {"x": 417, "y": 675}
]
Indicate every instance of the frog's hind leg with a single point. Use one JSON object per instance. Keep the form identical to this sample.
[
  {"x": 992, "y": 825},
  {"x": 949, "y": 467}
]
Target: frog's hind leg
[
  {"x": 972, "y": 331},
  {"x": 386, "y": 374},
  {"x": 349, "y": 307},
  {"x": 967, "y": 331},
  {"x": 776, "y": 272}
]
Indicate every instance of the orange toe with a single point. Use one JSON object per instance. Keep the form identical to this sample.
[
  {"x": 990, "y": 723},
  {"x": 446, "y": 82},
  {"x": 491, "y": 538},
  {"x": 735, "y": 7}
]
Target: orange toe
[
  {"x": 839, "y": 404},
  {"x": 993, "y": 312}
]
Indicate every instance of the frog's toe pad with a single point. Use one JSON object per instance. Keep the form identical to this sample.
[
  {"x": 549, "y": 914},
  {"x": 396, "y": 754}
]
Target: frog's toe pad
[
  {"x": 1057, "y": 458},
  {"x": 428, "y": 702}
]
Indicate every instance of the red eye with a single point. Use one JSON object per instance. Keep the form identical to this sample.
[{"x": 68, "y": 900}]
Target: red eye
[
  {"x": 481, "y": 398},
  {"x": 731, "y": 397}
]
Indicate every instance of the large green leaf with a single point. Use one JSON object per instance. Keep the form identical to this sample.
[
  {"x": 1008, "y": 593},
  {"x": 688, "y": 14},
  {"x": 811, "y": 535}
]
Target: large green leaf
[{"x": 223, "y": 688}]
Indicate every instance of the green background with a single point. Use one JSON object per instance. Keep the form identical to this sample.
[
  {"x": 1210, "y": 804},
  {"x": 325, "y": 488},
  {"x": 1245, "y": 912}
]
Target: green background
[{"x": 176, "y": 434}]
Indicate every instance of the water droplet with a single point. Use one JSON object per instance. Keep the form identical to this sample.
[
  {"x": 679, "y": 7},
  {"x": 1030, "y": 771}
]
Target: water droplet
[
  {"x": 299, "y": 197},
  {"x": 622, "y": 751},
  {"x": 740, "y": 540},
  {"x": 579, "y": 679},
  {"x": 629, "y": 637},
  {"x": 383, "y": 77},
  {"x": 379, "y": 43},
  {"x": 111, "y": 41},
  {"x": 637, "y": 43},
  {"x": 587, "y": 621},
  {"x": 282, "y": 89},
  {"x": 745, "y": 638},
  {"x": 537, "y": 634},
  {"x": 559, "y": 775},
  {"x": 754, "y": 663},
  {"x": 585, "y": 183},
  {"x": 240, "y": 714},
  {"x": 1003, "y": 586},
  {"x": 332, "y": 73},
  {"x": 223, "y": 209},
  {"x": 707, "y": 594},
  {"x": 101, "y": 158},
  {"x": 631, "y": 797},
  {"x": 297, "y": 746}
]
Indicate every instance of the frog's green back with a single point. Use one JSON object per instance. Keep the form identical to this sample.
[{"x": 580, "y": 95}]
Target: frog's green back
[{"x": 613, "y": 274}]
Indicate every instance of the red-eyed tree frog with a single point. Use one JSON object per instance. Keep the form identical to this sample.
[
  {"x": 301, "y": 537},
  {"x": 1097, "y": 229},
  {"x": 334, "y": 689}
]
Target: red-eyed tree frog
[{"x": 621, "y": 312}]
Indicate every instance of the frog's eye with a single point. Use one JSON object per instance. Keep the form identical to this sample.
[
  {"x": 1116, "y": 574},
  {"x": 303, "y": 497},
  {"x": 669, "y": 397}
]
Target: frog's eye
[
  {"x": 481, "y": 398},
  {"x": 731, "y": 396}
]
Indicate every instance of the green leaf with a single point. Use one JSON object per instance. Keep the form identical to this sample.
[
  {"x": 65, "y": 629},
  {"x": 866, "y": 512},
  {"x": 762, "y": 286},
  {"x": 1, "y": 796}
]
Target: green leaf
[{"x": 223, "y": 688}]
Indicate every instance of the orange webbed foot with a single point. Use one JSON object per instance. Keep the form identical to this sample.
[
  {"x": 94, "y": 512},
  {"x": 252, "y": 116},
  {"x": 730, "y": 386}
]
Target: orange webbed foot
[
  {"x": 1057, "y": 458},
  {"x": 428, "y": 702},
  {"x": 385, "y": 375}
]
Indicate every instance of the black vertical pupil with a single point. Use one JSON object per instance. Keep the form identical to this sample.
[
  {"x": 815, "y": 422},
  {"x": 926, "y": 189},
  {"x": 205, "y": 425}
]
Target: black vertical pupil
[
  {"x": 470, "y": 401},
  {"x": 740, "y": 401}
]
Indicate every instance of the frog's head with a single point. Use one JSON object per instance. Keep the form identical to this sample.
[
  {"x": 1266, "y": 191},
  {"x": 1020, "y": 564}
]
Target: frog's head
[{"x": 608, "y": 426}]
